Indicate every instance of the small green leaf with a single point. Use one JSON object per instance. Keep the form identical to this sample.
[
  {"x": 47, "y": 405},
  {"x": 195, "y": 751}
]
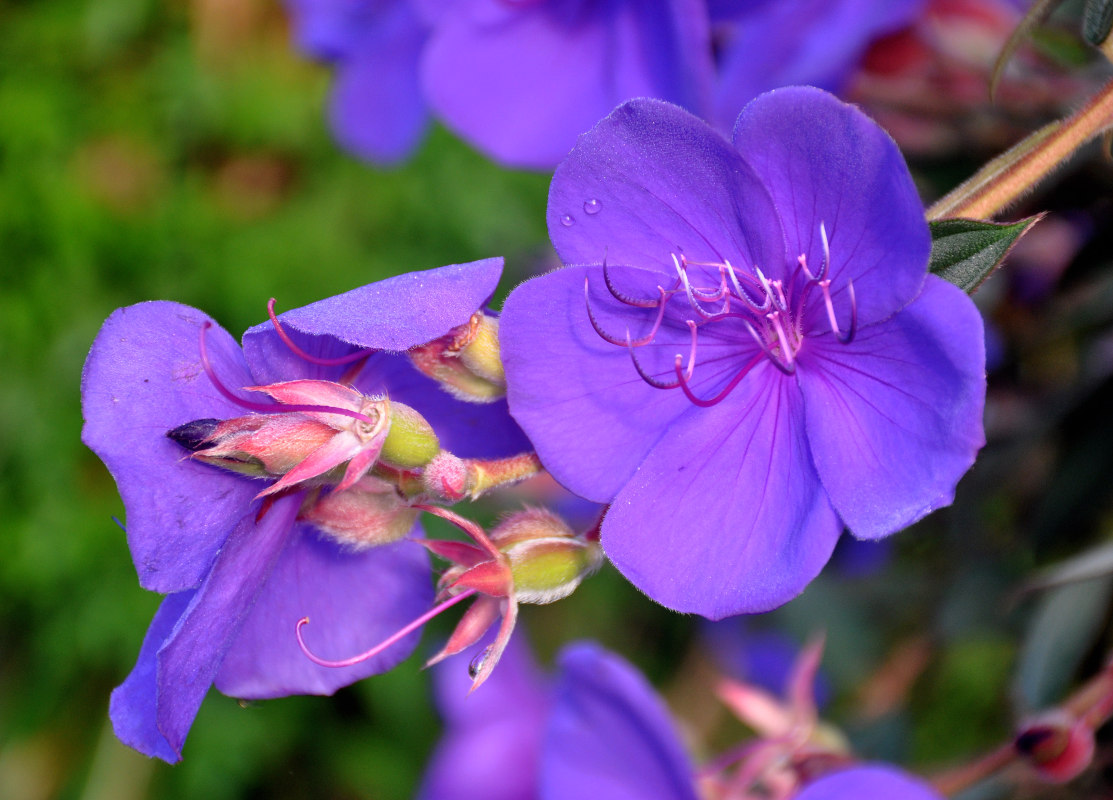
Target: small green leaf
[{"x": 966, "y": 251}]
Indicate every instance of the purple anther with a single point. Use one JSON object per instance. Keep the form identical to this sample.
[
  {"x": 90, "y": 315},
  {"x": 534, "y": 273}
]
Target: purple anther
[{"x": 645, "y": 376}]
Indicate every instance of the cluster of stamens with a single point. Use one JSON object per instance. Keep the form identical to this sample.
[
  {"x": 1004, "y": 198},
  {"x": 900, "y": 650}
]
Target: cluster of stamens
[{"x": 770, "y": 312}]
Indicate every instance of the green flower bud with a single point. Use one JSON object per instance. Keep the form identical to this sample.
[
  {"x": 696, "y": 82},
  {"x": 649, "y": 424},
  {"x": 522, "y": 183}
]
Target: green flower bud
[
  {"x": 547, "y": 560},
  {"x": 411, "y": 441}
]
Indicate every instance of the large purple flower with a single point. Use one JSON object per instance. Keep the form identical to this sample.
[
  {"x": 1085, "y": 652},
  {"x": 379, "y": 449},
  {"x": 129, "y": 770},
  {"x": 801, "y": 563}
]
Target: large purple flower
[
  {"x": 869, "y": 782},
  {"x": 239, "y": 573},
  {"x": 762, "y": 360}
]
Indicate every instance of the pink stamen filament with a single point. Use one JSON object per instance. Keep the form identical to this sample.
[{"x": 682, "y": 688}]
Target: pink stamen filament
[
  {"x": 394, "y": 638},
  {"x": 701, "y": 402},
  {"x": 324, "y": 362},
  {"x": 268, "y": 408}
]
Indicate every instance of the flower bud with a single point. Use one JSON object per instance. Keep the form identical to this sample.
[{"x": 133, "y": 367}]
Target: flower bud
[
  {"x": 1059, "y": 747},
  {"x": 258, "y": 445},
  {"x": 547, "y": 560},
  {"x": 445, "y": 477},
  {"x": 411, "y": 441},
  {"x": 466, "y": 361},
  {"x": 369, "y": 513}
]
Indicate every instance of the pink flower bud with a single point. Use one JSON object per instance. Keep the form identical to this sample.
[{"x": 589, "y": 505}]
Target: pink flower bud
[
  {"x": 1056, "y": 745},
  {"x": 547, "y": 560},
  {"x": 368, "y": 514}
]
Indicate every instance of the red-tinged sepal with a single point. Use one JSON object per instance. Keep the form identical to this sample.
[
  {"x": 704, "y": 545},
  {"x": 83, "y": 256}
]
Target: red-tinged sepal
[
  {"x": 461, "y": 553},
  {"x": 492, "y": 578},
  {"x": 482, "y": 668},
  {"x": 471, "y": 627}
]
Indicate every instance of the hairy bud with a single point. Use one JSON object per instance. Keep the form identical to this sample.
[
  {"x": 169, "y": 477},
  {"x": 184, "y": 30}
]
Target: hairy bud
[
  {"x": 411, "y": 441},
  {"x": 370, "y": 513},
  {"x": 466, "y": 362},
  {"x": 1059, "y": 747},
  {"x": 547, "y": 560}
]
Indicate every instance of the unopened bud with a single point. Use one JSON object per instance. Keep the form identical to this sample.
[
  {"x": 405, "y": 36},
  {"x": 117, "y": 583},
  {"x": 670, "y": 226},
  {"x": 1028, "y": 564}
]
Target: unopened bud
[
  {"x": 466, "y": 361},
  {"x": 370, "y": 513},
  {"x": 259, "y": 445},
  {"x": 411, "y": 441},
  {"x": 446, "y": 477},
  {"x": 547, "y": 560},
  {"x": 1056, "y": 745}
]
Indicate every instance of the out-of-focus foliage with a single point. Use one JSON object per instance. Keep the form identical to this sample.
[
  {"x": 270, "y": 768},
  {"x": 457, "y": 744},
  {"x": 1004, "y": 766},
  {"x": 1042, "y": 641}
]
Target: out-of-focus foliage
[{"x": 176, "y": 149}]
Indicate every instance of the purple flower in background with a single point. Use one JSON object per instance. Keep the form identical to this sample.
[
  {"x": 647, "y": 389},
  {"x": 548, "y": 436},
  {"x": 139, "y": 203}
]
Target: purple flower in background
[
  {"x": 376, "y": 110},
  {"x": 520, "y": 80},
  {"x": 609, "y": 736},
  {"x": 762, "y": 359},
  {"x": 764, "y": 44},
  {"x": 869, "y": 782},
  {"x": 492, "y": 738},
  {"x": 240, "y": 570}
]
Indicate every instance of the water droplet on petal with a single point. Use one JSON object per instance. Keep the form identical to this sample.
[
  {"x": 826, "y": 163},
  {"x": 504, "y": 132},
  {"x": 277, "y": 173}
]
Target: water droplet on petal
[
  {"x": 478, "y": 662},
  {"x": 566, "y": 220},
  {"x": 592, "y": 206}
]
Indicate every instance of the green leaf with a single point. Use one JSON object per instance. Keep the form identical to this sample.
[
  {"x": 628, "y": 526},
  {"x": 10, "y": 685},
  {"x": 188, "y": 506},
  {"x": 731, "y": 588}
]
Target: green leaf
[{"x": 966, "y": 251}]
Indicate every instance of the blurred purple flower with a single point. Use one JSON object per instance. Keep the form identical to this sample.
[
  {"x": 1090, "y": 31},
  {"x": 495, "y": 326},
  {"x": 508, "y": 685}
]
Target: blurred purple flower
[
  {"x": 239, "y": 574},
  {"x": 492, "y": 738},
  {"x": 609, "y": 736},
  {"x": 376, "y": 110},
  {"x": 763, "y": 44},
  {"x": 869, "y": 782},
  {"x": 520, "y": 80},
  {"x": 763, "y": 359},
  {"x": 761, "y": 658}
]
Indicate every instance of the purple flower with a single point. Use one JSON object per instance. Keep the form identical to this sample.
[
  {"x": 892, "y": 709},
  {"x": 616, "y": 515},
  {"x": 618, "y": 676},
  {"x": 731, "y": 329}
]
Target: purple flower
[
  {"x": 762, "y": 359},
  {"x": 869, "y": 782},
  {"x": 764, "y": 44},
  {"x": 239, "y": 571},
  {"x": 376, "y": 110},
  {"x": 492, "y": 739},
  {"x": 609, "y": 736},
  {"x": 521, "y": 79}
]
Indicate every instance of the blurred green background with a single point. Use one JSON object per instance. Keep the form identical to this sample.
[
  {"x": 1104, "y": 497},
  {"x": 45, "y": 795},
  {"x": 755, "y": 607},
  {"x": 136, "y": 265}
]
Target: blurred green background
[{"x": 176, "y": 150}]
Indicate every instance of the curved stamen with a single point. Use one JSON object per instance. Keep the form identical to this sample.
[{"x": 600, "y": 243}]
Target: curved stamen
[
  {"x": 645, "y": 376},
  {"x": 268, "y": 408},
  {"x": 386, "y": 643},
  {"x": 606, "y": 337},
  {"x": 787, "y": 369},
  {"x": 621, "y": 296},
  {"x": 826, "y": 252},
  {"x": 707, "y": 403},
  {"x": 688, "y": 290},
  {"x": 782, "y": 338},
  {"x": 772, "y": 290},
  {"x": 706, "y": 294},
  {"x": 744, "y": 295},
  {"x": 324, "y": 362}
]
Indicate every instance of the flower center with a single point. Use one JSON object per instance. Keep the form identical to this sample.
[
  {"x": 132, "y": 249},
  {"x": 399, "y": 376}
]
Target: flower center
[{"x": 726, "y": 302}]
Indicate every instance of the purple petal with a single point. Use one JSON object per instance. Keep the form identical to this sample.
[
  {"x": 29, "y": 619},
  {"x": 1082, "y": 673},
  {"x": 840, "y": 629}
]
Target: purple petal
[
  {"x": 155, "y": 707},
  {"x": 376, "y": 110},
  {"x": 590, "y": 416},
  {"x": 143, "y": 378},
  {"x": 492, "y": 740},
  {"x": 873, "y": 782},
  {"x": 609, "y": 735},
  {"x": 895, "y": 417},
  {"x": 394, "y": 314},
  {"x": 134, "y": 705},
  {"x": 814, "y": 43},
  {"x": 326, "y": 29},
  {"x": 522, "y": 80},
  {"x": 726, "y": 515},
  {"x": 826, "y": 162},
  {"x": 354, "y": 599},
  {"x": 660, "y": 182}
]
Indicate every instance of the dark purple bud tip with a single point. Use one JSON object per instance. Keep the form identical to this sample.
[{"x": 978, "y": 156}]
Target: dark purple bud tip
[{"x": 196, "y": 435}]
